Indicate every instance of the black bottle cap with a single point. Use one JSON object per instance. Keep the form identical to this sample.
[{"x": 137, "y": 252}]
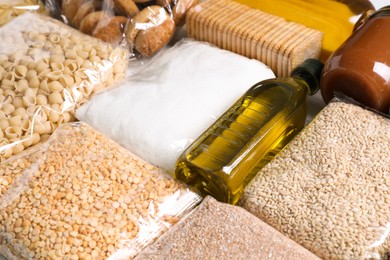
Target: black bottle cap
[{"x": 310, "y": 71}]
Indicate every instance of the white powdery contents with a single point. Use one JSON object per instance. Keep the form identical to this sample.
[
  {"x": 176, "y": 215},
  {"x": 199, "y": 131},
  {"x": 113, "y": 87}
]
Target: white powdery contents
[{"x": 159, "y": 112}]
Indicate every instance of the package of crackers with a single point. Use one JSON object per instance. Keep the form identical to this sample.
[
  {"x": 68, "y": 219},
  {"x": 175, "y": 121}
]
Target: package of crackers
[{"x": 280, "y": 44}]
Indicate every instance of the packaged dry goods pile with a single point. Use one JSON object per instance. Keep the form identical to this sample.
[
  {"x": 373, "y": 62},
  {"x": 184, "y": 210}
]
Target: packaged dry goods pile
[
  {"x": 329, "y": 190},
  {"x": 47, "y": 69},
  {"x": 216, "y": 229},
  {"x": 159, "y": 112},
  {"x": 280, "y": 44},
  {"x": 81, "y": 196}
]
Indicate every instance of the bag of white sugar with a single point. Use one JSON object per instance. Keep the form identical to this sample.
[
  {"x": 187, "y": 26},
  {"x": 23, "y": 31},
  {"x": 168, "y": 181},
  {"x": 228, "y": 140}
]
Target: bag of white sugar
[
  {"x": 82, "y": 196},
  {"x": 329, "y": 189},
  {"x": 159, "y": 112},
  {"x": 216, "y": 230}
]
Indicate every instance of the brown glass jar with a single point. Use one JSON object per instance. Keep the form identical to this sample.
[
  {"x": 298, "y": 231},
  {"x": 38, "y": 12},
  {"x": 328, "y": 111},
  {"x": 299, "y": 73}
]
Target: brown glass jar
[{"x": 360, "y": 67}]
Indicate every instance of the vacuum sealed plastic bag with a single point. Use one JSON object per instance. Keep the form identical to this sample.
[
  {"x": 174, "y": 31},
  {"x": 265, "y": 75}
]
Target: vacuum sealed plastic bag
[
  {"x": 218, "y": 230},
  {"x": 9, "y": 9},
  {"x": 47, "y": 69},
  {"x": 329, "y": 188},
  {"x": 81, "y": 196},
  {"x": 143, "y": 26},
  {"x": 161, "y": 110}
]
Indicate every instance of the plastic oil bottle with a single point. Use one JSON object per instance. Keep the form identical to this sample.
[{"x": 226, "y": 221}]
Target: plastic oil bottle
[
  {"x": 222, "y": 160},
  {"x": 335, "y": 19}
]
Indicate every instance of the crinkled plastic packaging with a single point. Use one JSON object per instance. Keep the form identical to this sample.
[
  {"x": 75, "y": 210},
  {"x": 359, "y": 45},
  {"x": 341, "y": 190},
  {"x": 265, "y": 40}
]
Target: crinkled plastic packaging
[
  {"x": 47, "y": 69},
  {"x": 10, "y": 9},
  {"x": 216, "y": 229},
  {"x": 144, "y": 27},
  {"x": 80, "y": 195},
  {"x": 159, "y": 111},
  {"x": 329, "y": 188}
]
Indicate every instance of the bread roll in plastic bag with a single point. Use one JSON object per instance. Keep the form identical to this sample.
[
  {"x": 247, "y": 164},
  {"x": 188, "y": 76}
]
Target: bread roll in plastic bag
[{"x": 144, "y": 27}]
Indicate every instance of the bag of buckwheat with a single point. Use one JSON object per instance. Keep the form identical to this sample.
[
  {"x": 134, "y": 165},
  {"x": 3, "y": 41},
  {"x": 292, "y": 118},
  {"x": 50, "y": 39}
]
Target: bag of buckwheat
[
  {"x": 81, "y": 196},
  {"x": 219, "y": 230},
  {"x": 329, "y": 189}
]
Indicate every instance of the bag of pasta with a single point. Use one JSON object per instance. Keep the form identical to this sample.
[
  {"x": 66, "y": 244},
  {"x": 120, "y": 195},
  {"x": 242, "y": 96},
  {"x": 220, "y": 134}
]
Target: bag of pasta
[{"x": 47, "y": 69}]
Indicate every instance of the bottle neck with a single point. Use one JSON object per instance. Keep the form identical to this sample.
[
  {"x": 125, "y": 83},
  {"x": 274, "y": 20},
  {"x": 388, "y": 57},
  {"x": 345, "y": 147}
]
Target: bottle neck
[{"x": 308, "y": 80}]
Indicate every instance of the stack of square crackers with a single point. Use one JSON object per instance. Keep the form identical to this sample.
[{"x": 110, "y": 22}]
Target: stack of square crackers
[{"x": 280, "y": 44}]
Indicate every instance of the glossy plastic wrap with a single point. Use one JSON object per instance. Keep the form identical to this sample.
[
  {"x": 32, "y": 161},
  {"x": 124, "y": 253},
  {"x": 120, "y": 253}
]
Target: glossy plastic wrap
[
  {"x": 9, "y": 9},
  {"x": 335, "y": 19},
  {"x": 329, "y": 188},
  {"x": 47, "y": 69},
  {"x": 161, "y": 110},
  {"x": 216, "y": 229},
  {"x": 280, "y": 44},
  {"x": 143, "y": 26},
  {"x": 81, "y": 196}
]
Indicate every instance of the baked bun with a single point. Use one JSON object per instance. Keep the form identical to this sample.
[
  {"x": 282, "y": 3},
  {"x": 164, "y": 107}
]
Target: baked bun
[{"x": 157, "y": 32}]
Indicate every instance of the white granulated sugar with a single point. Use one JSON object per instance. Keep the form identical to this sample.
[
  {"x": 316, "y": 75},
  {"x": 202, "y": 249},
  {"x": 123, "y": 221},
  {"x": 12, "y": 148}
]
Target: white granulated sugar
[{"x": 161, "y": 110}]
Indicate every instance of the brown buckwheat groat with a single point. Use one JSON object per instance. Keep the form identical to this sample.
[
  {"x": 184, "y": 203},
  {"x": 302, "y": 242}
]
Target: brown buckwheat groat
[
  {"x": 217, "y": 230},
  {"x": 82, "y": 196},
  {"x": 329, "y": 189}
]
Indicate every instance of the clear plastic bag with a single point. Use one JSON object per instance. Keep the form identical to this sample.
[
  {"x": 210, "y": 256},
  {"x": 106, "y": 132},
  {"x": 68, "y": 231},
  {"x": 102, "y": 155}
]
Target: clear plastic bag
[
  {"x": 329, "y": 188},
  {"x": 143, "y": 26},
  {"x": 9, "y": 9},
  {"x": 218, "y": 230},
  {"x": 47, "y": 69},
  {"x": 81, "y": 196},
  {"x": 158, "y": 112}
]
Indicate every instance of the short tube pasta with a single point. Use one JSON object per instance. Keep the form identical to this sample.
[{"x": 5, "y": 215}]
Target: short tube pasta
[
  {"x": 55, "y": 86},
  {"x": 20, "y": 71},
  {"x": 55, "y": 98},
  {"x": 13, "y": 132}
]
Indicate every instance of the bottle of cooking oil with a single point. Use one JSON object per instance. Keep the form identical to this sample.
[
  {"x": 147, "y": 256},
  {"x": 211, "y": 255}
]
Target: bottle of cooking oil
[
  {"x": 335, "y": 19},
  {"x": 249, "y": 134}
]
